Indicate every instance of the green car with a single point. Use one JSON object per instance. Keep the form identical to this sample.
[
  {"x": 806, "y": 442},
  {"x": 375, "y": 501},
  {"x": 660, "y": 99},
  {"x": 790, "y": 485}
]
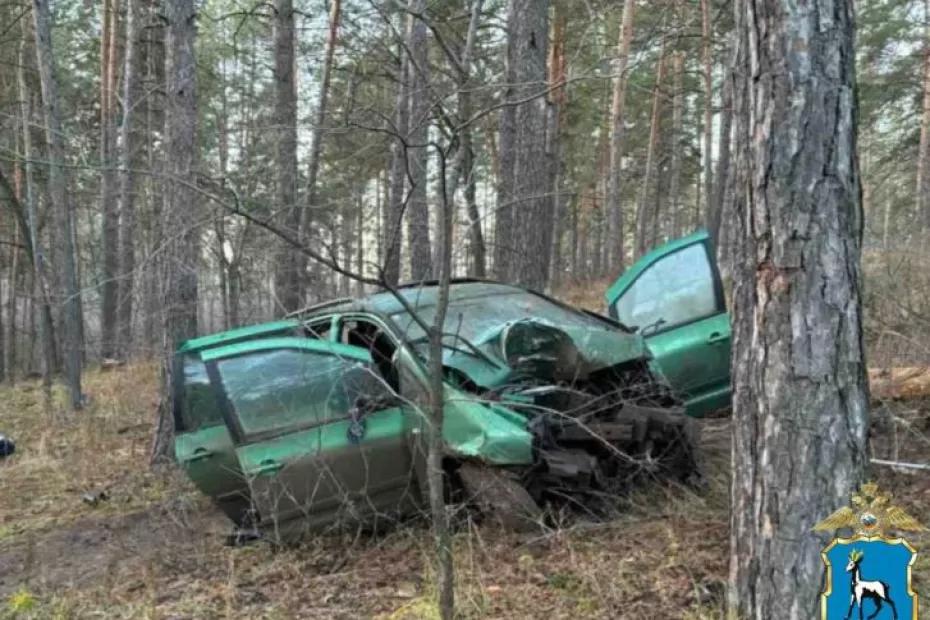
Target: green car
[
  {"x": 673, "y": 297},
  {"x": 318, "y": 420}
]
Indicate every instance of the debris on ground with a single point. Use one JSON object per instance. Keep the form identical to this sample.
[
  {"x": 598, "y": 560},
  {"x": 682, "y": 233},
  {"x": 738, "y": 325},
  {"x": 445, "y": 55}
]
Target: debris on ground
[{"x": 7, "y": 447}]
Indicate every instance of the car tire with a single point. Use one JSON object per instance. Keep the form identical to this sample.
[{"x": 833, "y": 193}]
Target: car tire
[{"x": 499, "y": 497}]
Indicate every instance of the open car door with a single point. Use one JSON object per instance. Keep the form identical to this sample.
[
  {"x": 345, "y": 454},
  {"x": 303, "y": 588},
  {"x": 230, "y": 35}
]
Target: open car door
[
  {"x": 674, "y": 297},
  {"x": 319, "y": 435}
]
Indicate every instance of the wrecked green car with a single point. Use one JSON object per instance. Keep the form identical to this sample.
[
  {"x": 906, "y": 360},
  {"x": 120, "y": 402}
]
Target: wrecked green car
[{"x": 319, "y": 419}]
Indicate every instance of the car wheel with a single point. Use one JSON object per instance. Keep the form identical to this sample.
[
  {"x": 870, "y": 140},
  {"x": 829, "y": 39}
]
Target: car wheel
[{"x": 499, "y": 497}]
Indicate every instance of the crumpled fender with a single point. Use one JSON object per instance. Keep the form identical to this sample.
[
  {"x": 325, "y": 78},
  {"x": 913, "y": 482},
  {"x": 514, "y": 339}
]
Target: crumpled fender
[{"x": 486, "y": 431}]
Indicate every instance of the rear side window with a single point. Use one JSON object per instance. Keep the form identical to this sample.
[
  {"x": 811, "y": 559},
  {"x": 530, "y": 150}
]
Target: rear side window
[
  {"x": 196, "y": 402},
  {"x": 278, "y": 391}
]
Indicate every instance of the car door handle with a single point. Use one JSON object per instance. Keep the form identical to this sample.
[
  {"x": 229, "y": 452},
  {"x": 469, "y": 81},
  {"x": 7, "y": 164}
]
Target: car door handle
[
  {"x": 716, "y": 337},
  {"x": 267, "y": 467},
  {"x": 198, "y": 454}
]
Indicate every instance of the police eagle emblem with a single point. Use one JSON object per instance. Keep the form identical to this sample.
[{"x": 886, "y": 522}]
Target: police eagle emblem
[{"x": 876, "y": 580}]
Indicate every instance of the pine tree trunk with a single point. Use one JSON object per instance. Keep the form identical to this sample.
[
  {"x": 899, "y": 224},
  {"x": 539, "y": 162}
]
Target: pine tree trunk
[
  {"x": 398, "y": 174},
  {"x": 319, "y": 126},
  {"x": 288, "y": 280},
  {"x": 58, "y": 183},
  {"x": 531, "y": 209},
  {"x": 108, "y": 180},
  {"x": 504, "y": 220},
  {"x": 182, "y": 253},
  {"x": 923, "y": 153},
  {"x": 466, "y": 169},
  {"x": 800, "y": 405},
  {"x": 417, "y": 215},
  {"x": 614, "y": 203},
  {"x": 644, "y": 212},
  {"x": 714, "y": 212},
  {"x": 127, "y": 214},
  {"x": 708, "y": 102},
  {"x": 677, "y": 144},
  {"x": 46, "y": 331}
]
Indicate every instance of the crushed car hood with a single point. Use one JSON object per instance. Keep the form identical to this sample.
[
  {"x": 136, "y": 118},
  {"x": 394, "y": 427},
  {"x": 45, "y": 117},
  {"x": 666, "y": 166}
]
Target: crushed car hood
[{"x": 534, "y": 347}]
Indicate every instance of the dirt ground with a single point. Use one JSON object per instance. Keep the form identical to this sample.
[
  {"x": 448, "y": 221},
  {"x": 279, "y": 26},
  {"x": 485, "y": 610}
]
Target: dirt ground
[{"x": 154, "y": 548}]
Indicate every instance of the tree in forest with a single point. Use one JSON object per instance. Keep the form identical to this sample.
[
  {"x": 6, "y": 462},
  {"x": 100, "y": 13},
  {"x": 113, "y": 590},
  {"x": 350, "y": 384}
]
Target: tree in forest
[
  {"x": 524, "y": 226},
  {"x": 108, "y": 182},
  {"x": 391, "y": 234},
  {"x": 647, "y": 209},
  {"x": 319, "y": 121},
  {"x": 182, "y": 254},
  {"x": 417, "y": 215},
  {"x": 126, "y": 200},
  {"x": 68, "y": 291},
  {"x": 288, "y": 279},
  {"x": 800, "y": 403},
  {"x": 707, "y": 75},
  {"x": 922, "y": 189},
  {"x": 614, "y": 204}
]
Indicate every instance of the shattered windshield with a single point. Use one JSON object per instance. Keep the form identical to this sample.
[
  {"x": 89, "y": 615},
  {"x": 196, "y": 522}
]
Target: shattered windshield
[{"x": 480, "y": 317}]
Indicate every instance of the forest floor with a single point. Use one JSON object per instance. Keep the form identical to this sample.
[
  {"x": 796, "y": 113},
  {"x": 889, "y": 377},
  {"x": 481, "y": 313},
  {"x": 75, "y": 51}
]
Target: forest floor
[{"x": 154, "y": 548}]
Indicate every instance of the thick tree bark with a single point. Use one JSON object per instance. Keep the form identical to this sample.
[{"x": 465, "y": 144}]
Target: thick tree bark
[
  {"x": 707, "y": 74},
  {"x": 800, "y": 394},
  {"x": 614, "y": 202},
  {"x": 923, "y": 154},
  {"x": 319, "y": 125},
  {"x": 68, "y": 290},
  {"x": 182, "y": 253},
  {"x": 644, "y": 213},
  {"x": 418, "y": 233},
  {"x": 127, "y": 214},
  {"x": 288, "y": 279},
  {"x": 532, "y": 200}
]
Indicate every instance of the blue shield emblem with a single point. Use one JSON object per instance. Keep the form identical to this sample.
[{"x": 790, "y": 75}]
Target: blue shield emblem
[{"x": 868, "y": 577}]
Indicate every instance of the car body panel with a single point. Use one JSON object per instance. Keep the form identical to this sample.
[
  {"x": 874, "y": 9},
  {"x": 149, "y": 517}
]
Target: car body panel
[
  {"x": 489, "y": 432},
  {"x": 692, "y": 352},
  {"x": 206, "y": 451},
  {"x": 239, "y": 334}
]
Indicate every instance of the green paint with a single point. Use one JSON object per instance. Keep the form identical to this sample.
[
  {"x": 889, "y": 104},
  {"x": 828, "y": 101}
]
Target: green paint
[
  {"x": 275, "y": 328},
  {"x": 486, "y": 431},
  {"x": 306, "y": 344}
]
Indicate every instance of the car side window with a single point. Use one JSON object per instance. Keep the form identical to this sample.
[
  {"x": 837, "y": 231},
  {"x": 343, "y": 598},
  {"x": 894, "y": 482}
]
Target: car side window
[
  {"x": 282, "y": 390},
  {"x": 676, "y": 289},
  {"x": 196, "y": 401}
]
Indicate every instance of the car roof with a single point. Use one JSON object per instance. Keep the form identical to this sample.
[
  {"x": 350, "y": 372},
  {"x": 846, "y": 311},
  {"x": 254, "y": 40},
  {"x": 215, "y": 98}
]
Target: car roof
[
  {"x": 239, "y": 334},
  {"x": 417, "y": 294},
  {"x": 308, "y": 344}
]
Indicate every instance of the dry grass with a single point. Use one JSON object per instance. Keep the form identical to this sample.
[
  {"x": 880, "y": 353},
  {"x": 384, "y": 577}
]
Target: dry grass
[{"x": 154, "y": 548}]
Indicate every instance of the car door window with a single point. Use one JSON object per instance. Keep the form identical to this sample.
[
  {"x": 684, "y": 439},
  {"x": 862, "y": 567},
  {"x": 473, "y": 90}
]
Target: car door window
[
  {"x": 279, "y": 391},
  {"x": 676, "y": 289},
  {"x": 196, "y": 405}
]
